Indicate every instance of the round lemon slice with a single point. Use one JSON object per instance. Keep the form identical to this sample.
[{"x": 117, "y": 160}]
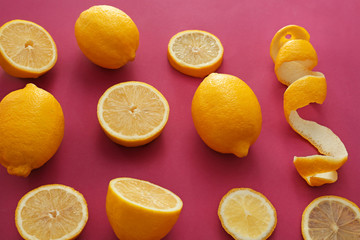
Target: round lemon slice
[
  {"x": 247, "y": 214},
  {"x": 26, "y": 49},
  {"x": 195, "y": 53},
  {"x": 331, "y": 217},
  {"x": 52, "y": 211}
]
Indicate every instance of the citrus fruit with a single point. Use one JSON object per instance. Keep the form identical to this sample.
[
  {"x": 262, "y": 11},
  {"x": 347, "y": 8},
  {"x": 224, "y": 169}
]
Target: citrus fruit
[
  {"x": 141, "y": 210},
  {"x": 31, "y": 129},
  {"x": 132, "y": 113},
  {"x": 26, "y": 49},
  {"x": 331, "y": 217},
  {"x": 52, "y": 211},
  {"x": 195, "y": 53},
  {"x": 247, "y": 214},
  {"x": 294, "y": 58},
  {"x": 107, "y": 36},
  {"x": 226, "y": 114}
]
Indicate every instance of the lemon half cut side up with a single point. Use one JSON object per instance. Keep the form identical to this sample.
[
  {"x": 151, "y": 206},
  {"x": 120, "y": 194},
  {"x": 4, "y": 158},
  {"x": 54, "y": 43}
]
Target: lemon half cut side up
[{"x": 26, "y": 49}]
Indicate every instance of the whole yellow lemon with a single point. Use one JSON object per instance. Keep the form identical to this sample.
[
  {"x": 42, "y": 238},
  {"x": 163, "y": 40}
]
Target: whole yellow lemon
[
  {"x": 31, "y": 129},
  {"x": 107, "y": 36},
  {"x": 226, "y": 114}
]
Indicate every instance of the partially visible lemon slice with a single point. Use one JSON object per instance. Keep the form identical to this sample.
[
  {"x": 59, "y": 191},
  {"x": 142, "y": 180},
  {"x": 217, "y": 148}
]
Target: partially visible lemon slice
[
  {"x": 195, "y": 53},
  {"x": 132, "y": 113},
  {"x": 331, "y": 217},
  {"x": 26, "y": 49},
  {"x": 141, "y": 210},
  {"x": 52, "y": 211},
  {"x": 247, "y": 214}
]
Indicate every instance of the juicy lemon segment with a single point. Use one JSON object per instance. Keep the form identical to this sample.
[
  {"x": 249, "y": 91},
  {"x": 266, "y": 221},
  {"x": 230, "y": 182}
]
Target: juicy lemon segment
[
  {"x": 140, "y": 193},
  {"x": 247, "y": 214},
  {"x": 132, "y": 113},
  {"x": 26, "y": 49},
  {"x": 141, "y": 210},
  {"x": 331, "y": 217},
  {"x": 294, "y": 58},
  {"x": 51, "y": 212},
  {"x": 194, "y": 52}
]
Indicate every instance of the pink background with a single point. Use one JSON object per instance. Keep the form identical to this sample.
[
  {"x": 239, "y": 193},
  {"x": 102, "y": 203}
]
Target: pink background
[{"x": 178, "y": 160}]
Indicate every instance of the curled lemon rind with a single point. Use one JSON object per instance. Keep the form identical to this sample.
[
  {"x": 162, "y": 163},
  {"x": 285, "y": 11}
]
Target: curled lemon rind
[{"x": 294, "y": 59}]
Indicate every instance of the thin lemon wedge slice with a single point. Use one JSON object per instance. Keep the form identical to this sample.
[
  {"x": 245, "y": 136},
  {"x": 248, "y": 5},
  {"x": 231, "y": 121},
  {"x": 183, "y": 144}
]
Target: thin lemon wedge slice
[
  {"x": 132, "y": 113},
  {"x": 294, "y": 59},
  {"x": 195, "y": 53},
  {"x": 52, "y": 211},
  {"x": 331, "y": 217},
  {"x": 247, "y": 214},
  {"x": 141, "y": 210},
  {"x": 26, "y": 49}
]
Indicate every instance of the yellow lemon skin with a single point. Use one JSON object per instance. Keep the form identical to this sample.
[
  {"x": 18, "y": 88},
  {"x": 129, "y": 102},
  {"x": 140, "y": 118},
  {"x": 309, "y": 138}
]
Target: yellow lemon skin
[
  {"x": 31, "y": 129},
  {"x": 226, "y": 114},
  {"x": 107, "y": 36},
  {"x": 132, "y": 221}
]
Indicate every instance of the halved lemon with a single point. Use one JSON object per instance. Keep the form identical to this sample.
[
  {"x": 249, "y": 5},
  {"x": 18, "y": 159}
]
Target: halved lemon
[
  {"x": 132, "y": 113},
  {"x": 26, "y": 49},
  {"x": 331, "y": 217},
  {"x": 52, "y": 211},
  {"x": 141, "y": 210},
  {"x": 196, "y": 53},
  {"x": 247, "y": 214}
]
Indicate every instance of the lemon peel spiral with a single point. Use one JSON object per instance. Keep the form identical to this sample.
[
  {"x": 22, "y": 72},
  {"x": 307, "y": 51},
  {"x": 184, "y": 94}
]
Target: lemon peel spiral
[{"x": 294, "y": 58}]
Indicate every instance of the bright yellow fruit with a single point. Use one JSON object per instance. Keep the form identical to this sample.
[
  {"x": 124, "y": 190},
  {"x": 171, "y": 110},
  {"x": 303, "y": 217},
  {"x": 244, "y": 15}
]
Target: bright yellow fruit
[
  {"x": 51, "y": 212},
  {"x": 141, "y": 210},
  {"x": 226, "y": 114},
  {"x": 331, "y": 217},
  {"x": 294, "y": 58},
  {"x": 26, "y": 49},
  {"x": 247, "y": 214},
  {"x": 132, "y": 113},
  {"x": 31, "y": 129},
  {"x": 195, "y": 53},
  {"x": 107, "y": 36}
]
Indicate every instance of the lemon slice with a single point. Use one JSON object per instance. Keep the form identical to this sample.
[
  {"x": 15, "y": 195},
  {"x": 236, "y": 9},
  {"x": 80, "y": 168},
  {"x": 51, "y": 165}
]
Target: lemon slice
[
  {"x": 51, "y": 212},
  {"x": 294, "y": 59},
  {"x": 132, "y": 113},
  {"x": 141, "y": 210},
  {"x": 26, "y": 49},
  {"x": 331, "y": 217},
  {"x": 247, "y": 214},
  {"x": 195, "y": 53}
]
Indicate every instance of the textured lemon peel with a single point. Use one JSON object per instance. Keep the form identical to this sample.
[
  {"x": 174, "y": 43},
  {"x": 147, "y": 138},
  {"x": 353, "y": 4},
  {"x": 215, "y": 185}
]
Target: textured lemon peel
[{"x": 305, "y": 87}]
